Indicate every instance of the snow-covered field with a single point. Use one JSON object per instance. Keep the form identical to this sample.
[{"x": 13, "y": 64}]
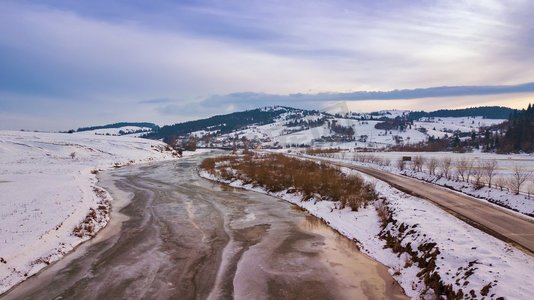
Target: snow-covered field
[
  {"x": 506, "y": 162},
  {"x": 48, "y": 187},
  {"x": 523, "y": 203},
  {"x": 438, "y": 127},
  {"x": 468, "y": 259}
]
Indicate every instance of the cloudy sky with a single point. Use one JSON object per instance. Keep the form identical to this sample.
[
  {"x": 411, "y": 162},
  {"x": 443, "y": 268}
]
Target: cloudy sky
[{"x": 68, "y": 63}]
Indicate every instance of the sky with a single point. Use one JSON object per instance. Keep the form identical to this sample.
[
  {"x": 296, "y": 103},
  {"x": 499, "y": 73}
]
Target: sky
[{"x": 67, "y": 63}]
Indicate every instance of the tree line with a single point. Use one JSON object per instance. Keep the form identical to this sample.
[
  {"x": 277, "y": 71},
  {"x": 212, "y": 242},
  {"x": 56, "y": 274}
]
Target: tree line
[{"x": 519, "y": 136}]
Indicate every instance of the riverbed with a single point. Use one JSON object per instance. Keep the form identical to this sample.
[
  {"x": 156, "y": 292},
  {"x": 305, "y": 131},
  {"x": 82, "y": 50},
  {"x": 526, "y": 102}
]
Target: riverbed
[{"x": 174, "y": 235}]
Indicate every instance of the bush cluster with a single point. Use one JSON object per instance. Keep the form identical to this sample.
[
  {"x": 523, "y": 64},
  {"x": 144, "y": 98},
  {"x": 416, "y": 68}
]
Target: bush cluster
[{"x": 277, "y": 172}]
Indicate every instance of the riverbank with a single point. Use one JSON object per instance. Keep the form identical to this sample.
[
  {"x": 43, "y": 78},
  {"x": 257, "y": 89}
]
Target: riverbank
[
  {"x": 186, "y": 237},
  {"x": 50, "y": 199},
  {"x": 457, "y": 259}
]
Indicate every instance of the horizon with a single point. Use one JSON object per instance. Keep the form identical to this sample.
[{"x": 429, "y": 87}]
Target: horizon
[
  {"x": 73, "y": 64},
  {"x": 331, "y": 110}
]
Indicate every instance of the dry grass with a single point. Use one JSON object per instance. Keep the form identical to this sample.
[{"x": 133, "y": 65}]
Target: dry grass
[{"x": 276, "y": 172}]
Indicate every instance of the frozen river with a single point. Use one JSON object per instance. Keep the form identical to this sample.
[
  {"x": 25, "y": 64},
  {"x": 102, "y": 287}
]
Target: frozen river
[{"x": 174, "y": 235}]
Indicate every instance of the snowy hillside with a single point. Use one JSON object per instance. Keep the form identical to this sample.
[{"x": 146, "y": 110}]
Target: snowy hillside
[
  {"x": 48, "y": 186},
  {"x": 313, "y": 128},
  {"x": 131, "y": 131},
  {"x": 438, "y": 127}
]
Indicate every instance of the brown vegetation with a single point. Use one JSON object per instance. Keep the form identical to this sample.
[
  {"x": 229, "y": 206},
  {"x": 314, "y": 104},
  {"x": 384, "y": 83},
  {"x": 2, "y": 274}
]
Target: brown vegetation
[
  {"x": 424, "y": 256},
  {"x": 277, "y": 172},
  {"x": 318, "y": 151}
]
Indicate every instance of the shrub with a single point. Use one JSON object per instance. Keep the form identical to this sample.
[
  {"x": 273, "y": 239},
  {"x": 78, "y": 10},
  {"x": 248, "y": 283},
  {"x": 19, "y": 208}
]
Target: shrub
[{"x": 277, "y": 172}]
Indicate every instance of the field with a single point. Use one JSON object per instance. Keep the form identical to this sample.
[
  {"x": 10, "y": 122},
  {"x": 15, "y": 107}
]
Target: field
[
  {"x": 511, "y": 180},
  {"x": 48, "y": 186}
]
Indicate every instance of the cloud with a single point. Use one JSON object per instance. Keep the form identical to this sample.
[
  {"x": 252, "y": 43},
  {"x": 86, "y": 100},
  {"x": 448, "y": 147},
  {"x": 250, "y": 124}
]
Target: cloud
[
  {"x": 406, "y": 94},
  {"x": 155, "y": 101},
  {"x": 165, "y": 60}
]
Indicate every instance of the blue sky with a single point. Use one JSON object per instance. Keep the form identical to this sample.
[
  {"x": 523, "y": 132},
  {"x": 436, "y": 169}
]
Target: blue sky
[{"x": 67, "y": 64}]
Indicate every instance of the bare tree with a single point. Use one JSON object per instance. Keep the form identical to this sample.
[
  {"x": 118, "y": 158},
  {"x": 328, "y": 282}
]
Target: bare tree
[
  {"x": 530, "y": 190},
  {"x": 501, "y": 183},
  {"x": 488, "y": 169},
  {"x": 401, "y": 164},
  {"x": 470, "y": 169},
  {"x": 462, "y": 165},
  {"x": 418, "y": 162},
  {"x": 519, "y": 176},
  {"x": 477, "y": 173},
  {"x": 191, "y": 144},
  {"x": 445, "y": 166},
  {"x": 432, "y": 165},
  {"x": 414, "y": 163}
]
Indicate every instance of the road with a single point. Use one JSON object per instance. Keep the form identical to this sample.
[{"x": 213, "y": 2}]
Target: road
[
  {"x": 498, "y": 222},
  {"x": 174, "y": 235}
]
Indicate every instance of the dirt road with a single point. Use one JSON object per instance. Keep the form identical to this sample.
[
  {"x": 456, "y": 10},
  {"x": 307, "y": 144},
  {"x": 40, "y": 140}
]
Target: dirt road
[{"x": 498, "y": 222}]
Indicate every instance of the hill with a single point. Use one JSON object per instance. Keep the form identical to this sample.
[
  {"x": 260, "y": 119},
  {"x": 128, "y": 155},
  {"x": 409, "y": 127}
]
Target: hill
[
  {"x": 133, "y": 129},
  {"x": 152, "y": 126},
  {"x": 282, "y": 126},
  {"x": 279, "y": 126},
  {"x": 487, "y": 112},
  {"x": 223, "y": 124}
]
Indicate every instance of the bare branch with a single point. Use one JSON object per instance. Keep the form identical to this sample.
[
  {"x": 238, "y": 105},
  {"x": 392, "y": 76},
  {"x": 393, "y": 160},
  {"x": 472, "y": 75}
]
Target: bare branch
[
  {"x": 488, "y": 168},
  {"x": 432, "y": 166},
  {"x": 445, "y": 167},
  {"x": 519, "y": 176},
  {"x": 462, "y": 165}
]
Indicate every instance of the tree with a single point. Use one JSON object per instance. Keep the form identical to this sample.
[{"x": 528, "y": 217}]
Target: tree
[
  {"x": 445, "y": 166},
  {"x": 234, "y": 148},
  {"x": 519, "y": 176},
  {"x": 477, "y": 173},
  {"x": 432, "y": 166},
  {"x": 470, "y": 169},
  {"x": 519, "y": 136},
  {"x": 488, "y": 169},
  {"x": 191, "y": 144},
  {"x": 171, "y": 140},
  {"x": 401, "y": 164},
  {"x": 501, "y": 183},
  {"x": 462, "y": 165},
  {"x": 246, "y": 149},
  {"x": 418, "y": 162}
]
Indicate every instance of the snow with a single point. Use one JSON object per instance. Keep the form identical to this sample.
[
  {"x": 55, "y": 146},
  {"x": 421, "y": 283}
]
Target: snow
[
  {"x": 131, "y": 131},
  {"x": 279, "y": 133},
  {"x": 463, "y": 249},
  {"x": 48, "y": 188},
  {"x": 460, "y": 244},
  {"x": 463, "y": 124},
  {"x": 523, "y": 203}
]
